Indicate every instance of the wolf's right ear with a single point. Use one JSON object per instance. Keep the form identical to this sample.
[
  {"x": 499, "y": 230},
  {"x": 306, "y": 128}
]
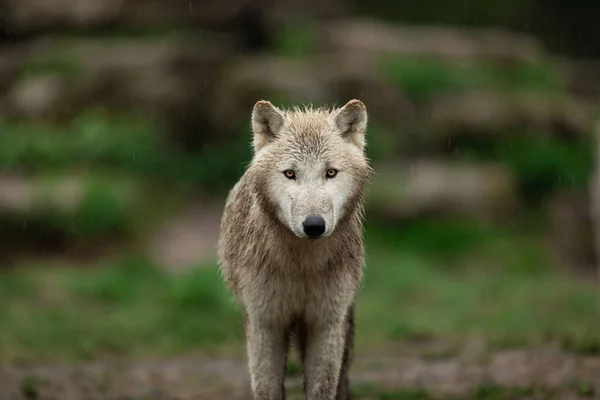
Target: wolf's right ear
[{"x": 267, "y": 122}]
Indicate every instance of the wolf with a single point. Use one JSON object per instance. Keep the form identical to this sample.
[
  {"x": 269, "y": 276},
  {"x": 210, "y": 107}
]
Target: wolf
[{"x": 291, "y": 244}]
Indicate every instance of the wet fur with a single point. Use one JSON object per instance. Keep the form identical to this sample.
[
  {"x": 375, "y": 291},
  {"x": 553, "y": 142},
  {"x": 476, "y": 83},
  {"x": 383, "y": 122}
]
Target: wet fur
[{"x": 291, "y": 287}]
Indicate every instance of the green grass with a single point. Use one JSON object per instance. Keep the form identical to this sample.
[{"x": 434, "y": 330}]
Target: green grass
[
  {"x": 504, "y": 307},
  {"x": 131, "y": 308},
  {"x": 423, "y": 77},
  {"x": 449, "y": 278},
  {"x": 449, "y": 241},
  {"x": 127, "y": 308}
]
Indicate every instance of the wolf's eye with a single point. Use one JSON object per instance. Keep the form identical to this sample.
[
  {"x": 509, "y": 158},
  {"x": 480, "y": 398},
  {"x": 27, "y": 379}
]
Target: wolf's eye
[
  {"x": 331, "y": 173},
  {"x": 289, "y": 174}
]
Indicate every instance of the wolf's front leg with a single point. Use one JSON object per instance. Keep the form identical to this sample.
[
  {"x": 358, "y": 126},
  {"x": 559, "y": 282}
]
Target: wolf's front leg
[
  {"x": 324, "y": 353},
  {"x": 267, "y": 350}
]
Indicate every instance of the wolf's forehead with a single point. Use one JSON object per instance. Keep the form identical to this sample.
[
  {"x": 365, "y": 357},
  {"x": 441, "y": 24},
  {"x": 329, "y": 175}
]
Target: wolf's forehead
[
  {"x": 308, "y": 147},
  {"x": 307, "y": 123},
  {"x": 311, "y": 144},
  {"x": 309, "y": 134}
]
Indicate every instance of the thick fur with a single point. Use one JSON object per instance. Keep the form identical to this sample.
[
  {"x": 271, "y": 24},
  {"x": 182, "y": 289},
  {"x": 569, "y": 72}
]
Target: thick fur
[{"x": 287, "y": 284}]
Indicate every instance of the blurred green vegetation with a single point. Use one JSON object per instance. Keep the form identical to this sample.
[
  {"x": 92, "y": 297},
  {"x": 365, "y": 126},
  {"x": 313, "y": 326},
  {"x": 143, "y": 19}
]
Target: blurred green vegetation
[
  {"x": 105, "y": 209},
  {"x": 121, "y": 160},
  {"x": 542, "y": 163},
  {"x": 296, "y": 39},
  {"x": 442, "y": 281},
  {"x": 422, "y": 77},
  {"x": 60, "y": 64},
  {"x": 129, "y": 308},
  {"x": 129, "y": 144}
]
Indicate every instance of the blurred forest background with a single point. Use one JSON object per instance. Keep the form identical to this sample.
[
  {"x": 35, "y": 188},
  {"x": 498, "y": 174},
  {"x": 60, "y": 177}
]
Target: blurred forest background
[{"x": 123, "y": 123}]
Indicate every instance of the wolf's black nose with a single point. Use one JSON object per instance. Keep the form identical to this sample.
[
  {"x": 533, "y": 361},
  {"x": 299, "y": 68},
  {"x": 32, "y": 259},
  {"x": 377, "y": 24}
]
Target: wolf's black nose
[{"x": 314, "y": 226}]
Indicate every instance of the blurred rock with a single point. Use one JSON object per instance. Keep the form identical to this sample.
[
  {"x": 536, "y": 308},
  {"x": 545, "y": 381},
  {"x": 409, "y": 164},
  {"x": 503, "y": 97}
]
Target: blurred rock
[
  {"x": 19, "y": 195},
  {"x": 212, "y": 14},
  {"x": 48, "y": 15},
  {"x": 9, "y": 63},
  {"x": 35, "y": 97},
  {"x": 173, "y": 82},
  {"x": 570, "y": 230},
  {"x": 26, "y": 195},
  {"x": 284, "y": 10},
  {"x": 361, "y": 78},
  {"x": 370, "y": 38},
  {"x": 45, "y": 16},
  {"x": 594, "y": 196},
  {"x": 187, "y": 239},
  {"x": 249, "y": 79},
  {"x": 582, "y": 77},
  {"x": 303, "y": 81},
  {"x": 493, "y": 112},
  {"x": 65, "y": 214},
  {"x": 485, "y": 192}
]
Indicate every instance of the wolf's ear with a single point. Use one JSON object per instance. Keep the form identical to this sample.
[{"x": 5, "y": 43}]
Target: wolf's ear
[
  {"x": 267, "y": 122},
  {"x": 351, "y": 120}
]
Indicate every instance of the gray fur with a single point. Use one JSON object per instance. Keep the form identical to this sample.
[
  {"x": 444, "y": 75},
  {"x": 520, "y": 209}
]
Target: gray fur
[{"x": 289, "y": 285}]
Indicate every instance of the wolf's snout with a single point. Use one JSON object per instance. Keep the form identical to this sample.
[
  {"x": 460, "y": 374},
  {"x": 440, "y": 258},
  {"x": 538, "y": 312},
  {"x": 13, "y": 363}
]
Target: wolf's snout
[{"x": 314, "y": 226}]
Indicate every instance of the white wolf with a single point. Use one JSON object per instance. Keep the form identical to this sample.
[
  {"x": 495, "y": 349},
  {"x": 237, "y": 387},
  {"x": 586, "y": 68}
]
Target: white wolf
[{"x": 291, "y": 244}]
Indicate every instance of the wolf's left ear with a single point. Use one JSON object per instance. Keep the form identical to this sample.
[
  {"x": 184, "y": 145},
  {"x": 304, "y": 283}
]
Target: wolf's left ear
[
  {"x": 351, "y": 120},
  {"x": 267, "y": 122}
]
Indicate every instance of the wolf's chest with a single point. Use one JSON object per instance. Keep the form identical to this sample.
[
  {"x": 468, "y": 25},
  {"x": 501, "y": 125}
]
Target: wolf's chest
[{"x": 277, "y": 297}]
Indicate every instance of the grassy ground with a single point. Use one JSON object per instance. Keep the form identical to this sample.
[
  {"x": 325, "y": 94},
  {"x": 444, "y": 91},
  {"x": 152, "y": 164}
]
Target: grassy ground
[
  {"x": 445, "y": 283},
  {"x": 447, "y": 311}
]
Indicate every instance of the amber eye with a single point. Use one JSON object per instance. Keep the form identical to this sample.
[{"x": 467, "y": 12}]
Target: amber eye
[
  {"x": 331, "y": 173},
  {"x": 289, "y": 174}
]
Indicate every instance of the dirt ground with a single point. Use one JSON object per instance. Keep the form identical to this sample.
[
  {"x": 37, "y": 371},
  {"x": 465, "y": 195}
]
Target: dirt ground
[{"x": 558, "y": 374}]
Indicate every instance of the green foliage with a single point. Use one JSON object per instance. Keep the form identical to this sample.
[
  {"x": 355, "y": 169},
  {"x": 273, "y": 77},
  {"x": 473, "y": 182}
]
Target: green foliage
[
  {"x": 296, "y": 39},
  {"x": 541, "y": 163},
  {"x": 127, "y": 144},
  {"x": 92, "y": 139},
  {"x": 58, "y": 64},
  {"x": 215, "y": 167},
  {"x": 382, "y": 145},
  {"x": 544, "y": 166},
  {"x": 423, "y": 77},
  {"x": 101, "y": 211},
  {"x": 104, "y": 209}
]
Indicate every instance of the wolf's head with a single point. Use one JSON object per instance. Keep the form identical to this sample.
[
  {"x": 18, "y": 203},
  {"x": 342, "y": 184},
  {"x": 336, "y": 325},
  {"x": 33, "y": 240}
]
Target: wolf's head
[{"x": 309, "y": 165}]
